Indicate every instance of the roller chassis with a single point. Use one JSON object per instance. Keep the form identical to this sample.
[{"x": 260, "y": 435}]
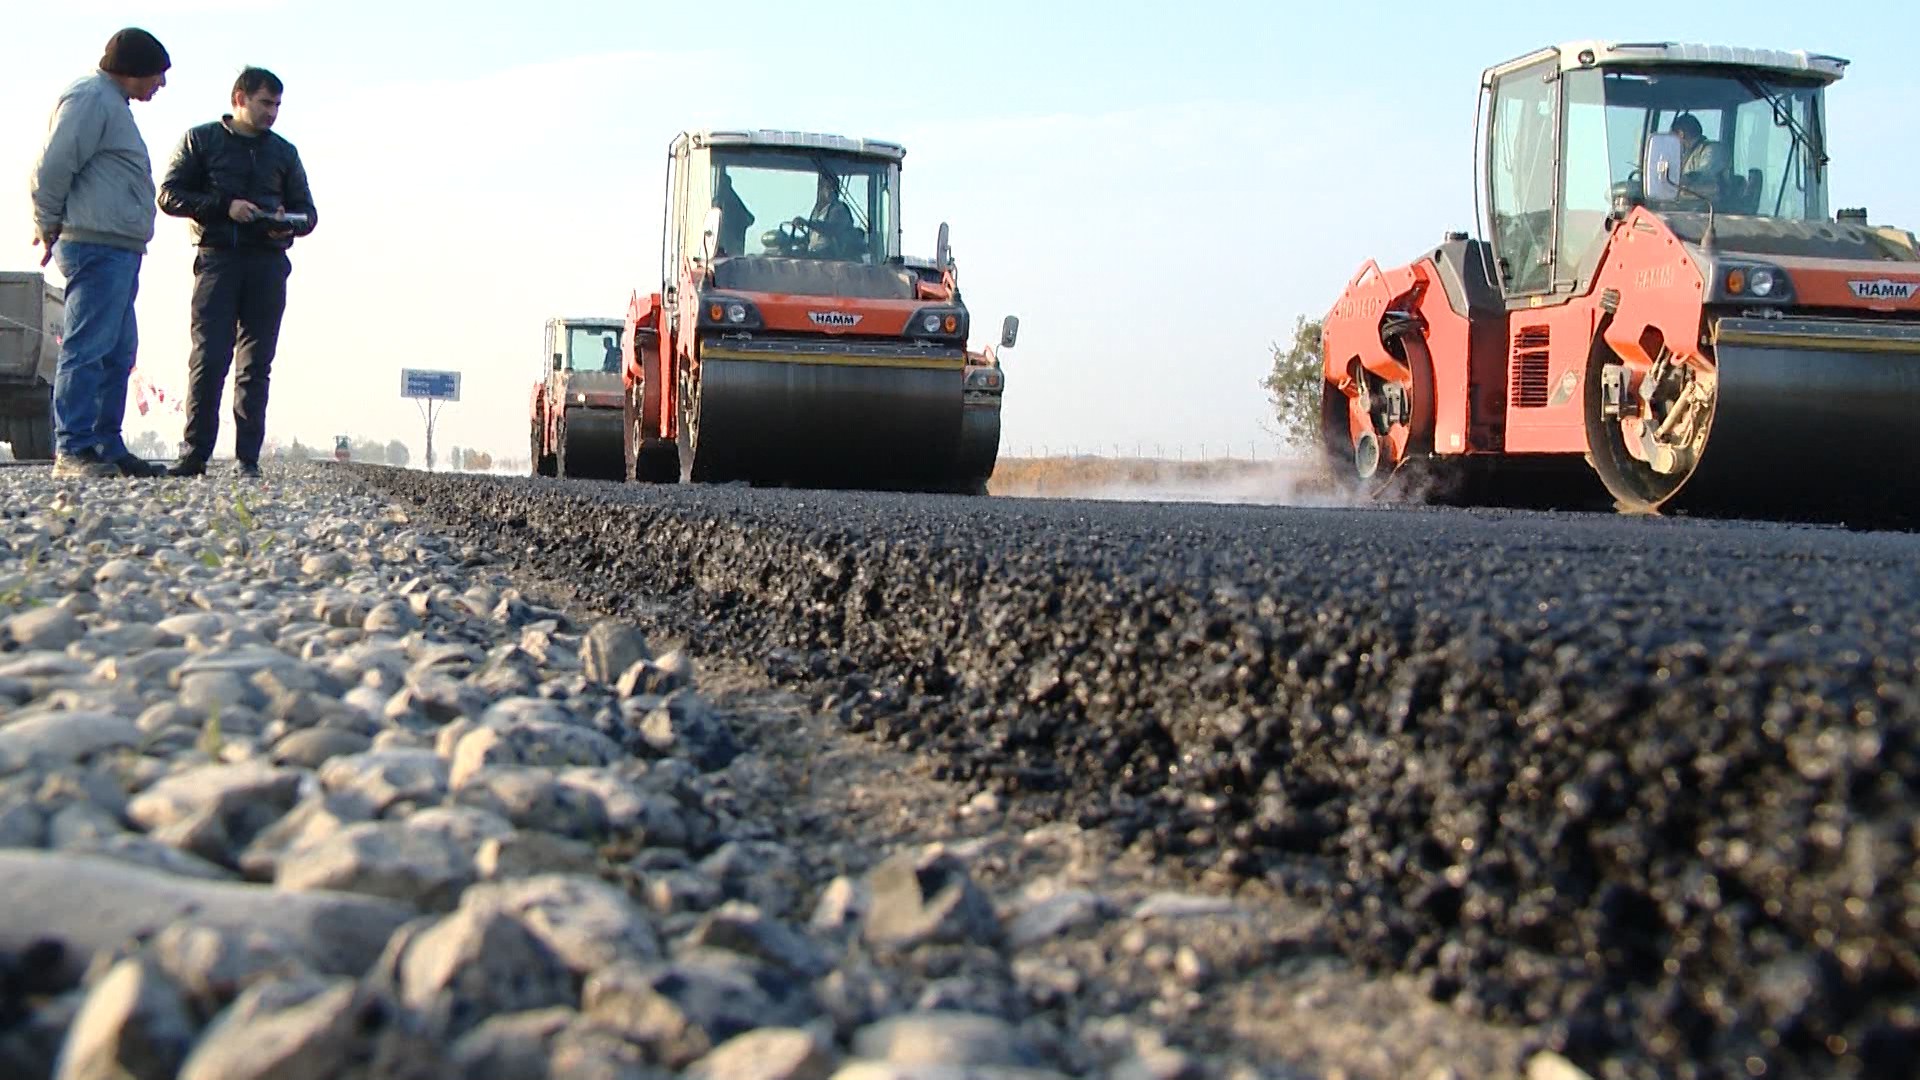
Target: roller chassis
[{"x": 792, "y": 367}]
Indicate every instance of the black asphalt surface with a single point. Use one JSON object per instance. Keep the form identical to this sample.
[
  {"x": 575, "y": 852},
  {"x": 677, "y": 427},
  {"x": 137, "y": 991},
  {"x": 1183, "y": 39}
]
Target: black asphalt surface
[{"x": 1648, "y": 782}]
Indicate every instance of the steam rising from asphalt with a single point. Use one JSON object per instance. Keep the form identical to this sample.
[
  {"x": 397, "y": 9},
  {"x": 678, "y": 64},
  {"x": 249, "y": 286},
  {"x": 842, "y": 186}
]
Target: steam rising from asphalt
[{"x": 1286, "y": 482}]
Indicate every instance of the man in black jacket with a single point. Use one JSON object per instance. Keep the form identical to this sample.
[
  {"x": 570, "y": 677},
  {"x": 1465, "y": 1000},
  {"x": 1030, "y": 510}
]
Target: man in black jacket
[{"x": 245, "y": 191}]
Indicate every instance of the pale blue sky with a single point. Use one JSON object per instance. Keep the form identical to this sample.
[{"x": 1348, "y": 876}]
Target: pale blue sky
[{"x": 1156, "y": 189}]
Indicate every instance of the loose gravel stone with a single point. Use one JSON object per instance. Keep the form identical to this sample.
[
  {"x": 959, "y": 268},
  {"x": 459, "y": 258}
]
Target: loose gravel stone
[
  {"x": 381, "y": 858},
  {"x": 944, "y": 1038},
  {"x": 927, "y": 897},
  {"x": 531, "y": 798},
  {"x": 477, "y": 962},
  {"x": 527, "y": 854},
  {"x": 135, "y": 1023},
  {"x": 873, "y": 1070},
  {"x": 611, "y": 648},
  {"x": 513, "y": 1046},
  {"x": 44, "y": 629},
  {"x": 587, "y": 923},
  {"x": 768, "y": 1054},
  {"x": 329, "y": 565},
  {"x": 530, "y": 742},
  {"x": 61, "y": 738},
  {"x": 682, "y": 725},
  {"x": 761, "y": 872},
  {"x": 91, "y": 904},
  {"x": 212, "y": 964},
  {"x": 251, "y": 793},
  {"x": 313, "y": 747},
  {"x": 305, "y": 1028},
  {"x": 681, "y": 1011},
  {"x": 385, "y": 778},
  {"x": 391, "y": 617},
  {"x": 177, "y": 859},
  {"x": 1054, "y": 915},
  {"x": 741, "y": 928}
]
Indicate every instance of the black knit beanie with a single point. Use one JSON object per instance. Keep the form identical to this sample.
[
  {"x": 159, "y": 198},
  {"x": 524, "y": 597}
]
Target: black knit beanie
[{"x": 135, "y": 54}]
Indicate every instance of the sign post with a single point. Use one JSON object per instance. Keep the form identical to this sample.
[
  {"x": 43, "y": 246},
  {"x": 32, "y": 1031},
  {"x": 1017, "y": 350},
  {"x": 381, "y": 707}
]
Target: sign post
[{"x": 429, "y": 388}]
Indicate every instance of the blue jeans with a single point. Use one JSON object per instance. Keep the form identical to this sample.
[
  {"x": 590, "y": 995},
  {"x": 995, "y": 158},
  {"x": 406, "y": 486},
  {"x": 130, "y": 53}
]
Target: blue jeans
[{"x": 96, "y": 351}]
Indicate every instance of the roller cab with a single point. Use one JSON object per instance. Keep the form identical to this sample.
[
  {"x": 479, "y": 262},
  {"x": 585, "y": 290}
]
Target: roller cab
[{"x": 578, "y": 400}]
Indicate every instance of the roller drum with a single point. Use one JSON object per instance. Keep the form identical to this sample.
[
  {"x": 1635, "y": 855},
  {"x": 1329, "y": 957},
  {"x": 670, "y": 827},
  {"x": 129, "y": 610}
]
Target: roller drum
[
  {"x": 593, "y": 444},
  {"x": 1813, "y": 419},
  {"x": 876, "y": 418}
]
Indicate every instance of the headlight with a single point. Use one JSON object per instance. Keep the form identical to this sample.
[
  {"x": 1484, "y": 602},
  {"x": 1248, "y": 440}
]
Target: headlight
[
  {"x": 1753, "y": 281},
  {"x": 937, "y": 322},
  {"x": 984, "y": 379},
  {"x": 729, "y": 311}
]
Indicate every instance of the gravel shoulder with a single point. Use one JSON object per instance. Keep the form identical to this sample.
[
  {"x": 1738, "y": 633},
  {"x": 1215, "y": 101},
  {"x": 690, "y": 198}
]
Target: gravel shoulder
[{"x": 368, "y": 773}]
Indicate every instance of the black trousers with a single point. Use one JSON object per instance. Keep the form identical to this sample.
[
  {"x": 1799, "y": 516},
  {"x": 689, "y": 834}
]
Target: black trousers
[{"x": 239, "y": 295}]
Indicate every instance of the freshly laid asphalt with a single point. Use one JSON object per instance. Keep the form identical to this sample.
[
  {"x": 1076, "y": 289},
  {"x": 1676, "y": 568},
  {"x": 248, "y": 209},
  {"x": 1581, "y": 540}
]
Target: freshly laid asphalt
[{"x": 1651, "y": 782}]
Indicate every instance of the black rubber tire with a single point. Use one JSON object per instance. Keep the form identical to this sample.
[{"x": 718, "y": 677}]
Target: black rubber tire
[
  {"x": 30, "y": 436},
  {"x": 28, "y": 427},
  {"x": 543, "y": 464}
]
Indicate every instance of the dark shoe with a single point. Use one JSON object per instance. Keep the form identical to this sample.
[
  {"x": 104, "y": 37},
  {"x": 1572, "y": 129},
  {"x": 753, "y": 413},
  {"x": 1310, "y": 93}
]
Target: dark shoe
[
  {"x": 86, "y": 463},
  {"x": 187, "y": 466},
  {"x": 250, "y": 468},
  {"x": 132, "y": 465}
]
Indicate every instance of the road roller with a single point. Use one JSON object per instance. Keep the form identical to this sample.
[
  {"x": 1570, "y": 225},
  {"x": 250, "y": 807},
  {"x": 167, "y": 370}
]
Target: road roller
[
  {"x": 791, "y": 342},
  {"x": 578, "y": 410},
  {"x": 1657, "y": 312}
]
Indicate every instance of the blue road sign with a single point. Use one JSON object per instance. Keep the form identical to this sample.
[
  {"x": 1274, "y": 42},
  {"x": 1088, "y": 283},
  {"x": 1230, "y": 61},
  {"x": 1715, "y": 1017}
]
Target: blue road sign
[{"x": 439, "y": 385}]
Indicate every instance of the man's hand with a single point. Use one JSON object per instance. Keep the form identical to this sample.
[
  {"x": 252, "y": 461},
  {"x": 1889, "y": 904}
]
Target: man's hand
[
  {"x": 242, "y": 211},
  {"x": 47, "y": 242}
]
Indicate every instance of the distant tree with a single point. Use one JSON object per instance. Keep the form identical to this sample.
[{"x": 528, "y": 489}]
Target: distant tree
[
  {"x": 370, "y": 451},
  {"x": 475, "y": 461},
  {"x": 1294, "y": 384},
  {"x": 456, "y": 459},
  {"x": 397, "y": 453},
  {"x": 297, "y": 452},
  {"x": 148, "y": 444}
]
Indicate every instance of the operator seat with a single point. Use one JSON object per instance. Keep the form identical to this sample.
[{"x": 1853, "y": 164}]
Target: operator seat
[{"x": 1748, "y": 198}]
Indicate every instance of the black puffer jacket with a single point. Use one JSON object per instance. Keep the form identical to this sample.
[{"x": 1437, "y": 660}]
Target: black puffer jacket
[{"x": 214, "y": 165}]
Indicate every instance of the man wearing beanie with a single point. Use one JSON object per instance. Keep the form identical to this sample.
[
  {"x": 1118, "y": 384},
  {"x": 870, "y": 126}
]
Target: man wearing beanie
[
  {"x": 93, "y": 214},
  {"x": 246, "y": 192}
]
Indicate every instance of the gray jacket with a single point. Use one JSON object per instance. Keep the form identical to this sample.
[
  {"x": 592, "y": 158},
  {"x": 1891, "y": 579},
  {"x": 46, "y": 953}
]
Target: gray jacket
[{"x": 93, "y": 182}]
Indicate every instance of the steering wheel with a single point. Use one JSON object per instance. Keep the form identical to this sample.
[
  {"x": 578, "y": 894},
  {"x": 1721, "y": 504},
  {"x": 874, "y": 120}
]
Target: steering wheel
[{"x": 790, "y": 237}]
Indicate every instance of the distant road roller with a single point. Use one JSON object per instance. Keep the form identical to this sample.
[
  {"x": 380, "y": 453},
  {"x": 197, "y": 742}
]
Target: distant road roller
[
  {"x": 577, "y": 411},
  {"x": 791, "y": 343},
  {"x": 1660, "y": 306}
]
